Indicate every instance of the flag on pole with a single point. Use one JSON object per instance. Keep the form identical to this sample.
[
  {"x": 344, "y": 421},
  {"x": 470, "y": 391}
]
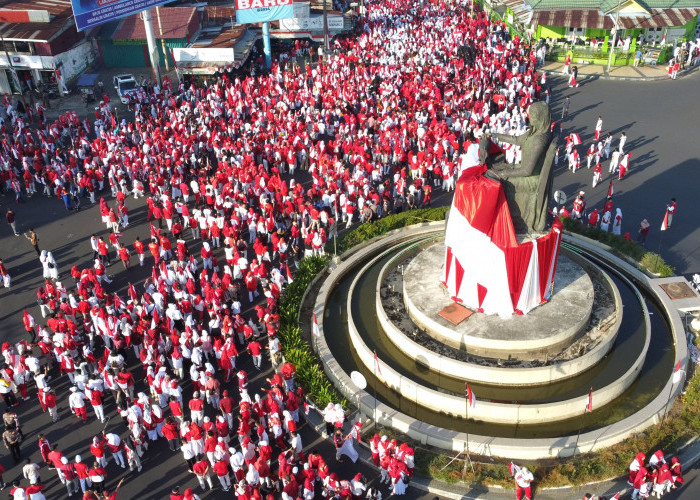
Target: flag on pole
[
  {"x": 514, "y": 469},
  {"x": 664, "y": 224},
  {"x": 611, "y": 189},
  {"x": 471, "y": 399},
  {"x": 677, "y": 372},
  {"x": 576, "y": 139},
  {"x": 132, "y": 292},
  {"x": 616, "y": 497},
  {"x": 289, "y": 275},
  {"x": 589, "y": 401},
  {"x": 376, "y": 360},
  {"x": 314, "y": 328}
]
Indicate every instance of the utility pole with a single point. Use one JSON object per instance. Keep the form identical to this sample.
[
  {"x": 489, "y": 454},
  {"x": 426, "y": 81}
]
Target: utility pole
[
  {"x": 325, "y": 28},
  {"x": 612, "y": 48},
  {"x": 152, "y": 48},
  {"x": 162, "y": 40}
]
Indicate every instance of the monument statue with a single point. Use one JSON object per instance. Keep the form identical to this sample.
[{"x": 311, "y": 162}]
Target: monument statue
[{"x": 527, "y": 185}]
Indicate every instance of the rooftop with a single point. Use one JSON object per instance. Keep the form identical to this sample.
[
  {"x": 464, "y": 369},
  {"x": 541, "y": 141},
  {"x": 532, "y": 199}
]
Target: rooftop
[{"x": 174, "y": 22}]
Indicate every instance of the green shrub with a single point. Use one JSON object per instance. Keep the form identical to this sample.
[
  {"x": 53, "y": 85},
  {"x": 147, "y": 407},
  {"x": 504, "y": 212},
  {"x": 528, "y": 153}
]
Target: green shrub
[
  {"x": 296, "y": 349},
  {"x": 382, "y": 226},
  {"x": 655, "y": 263}
]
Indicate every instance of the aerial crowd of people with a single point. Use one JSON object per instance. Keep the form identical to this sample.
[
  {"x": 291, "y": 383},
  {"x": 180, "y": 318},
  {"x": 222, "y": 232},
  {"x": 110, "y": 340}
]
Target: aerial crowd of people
[{"x": 244, "y": 177}]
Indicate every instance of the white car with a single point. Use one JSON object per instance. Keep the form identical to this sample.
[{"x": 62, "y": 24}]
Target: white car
[{"x": 124, "y": 84}]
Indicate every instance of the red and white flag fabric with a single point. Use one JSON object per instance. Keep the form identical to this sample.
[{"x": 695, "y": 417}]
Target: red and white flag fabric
[
  {"x": 677, "y": 372},
  {"x": 471, "y": 399},
  {"x": 664, "y": 224},
  {"x": 486, "y": 269},
  {"x": 576, "y": 139},
  {"x": 132, "y": 292},
  {"x": 611, "y": 189},
  {"x": 589, "y": 401},
  {"x": 376, "y": 361},
  {"x": 514, "y": 469},
  {"x": 289, "y": 276},
  {"x": 314, "y": 327},
  {"x": 625, "y": 161}
]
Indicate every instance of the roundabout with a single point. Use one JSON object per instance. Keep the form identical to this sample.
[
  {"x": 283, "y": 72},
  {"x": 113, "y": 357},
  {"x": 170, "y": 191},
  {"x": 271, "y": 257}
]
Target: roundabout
[{"x": 526, "y": 409}]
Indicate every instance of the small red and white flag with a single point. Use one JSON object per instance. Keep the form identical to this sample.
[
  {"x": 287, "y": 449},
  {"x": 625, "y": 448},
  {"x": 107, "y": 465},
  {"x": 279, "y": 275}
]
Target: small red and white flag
[
  {"x": 132, "y": 292},
  {"x": 289, "y": 276},
  {"x": 611, "y": 189},
  {"x": 664, "y": 224},
  {"x": 589, "y": 401},
  {"x": 471, "y": 399},
  {"x": 376, "y": 360},
  {"x": 616, "y": 497},
  {"x": 314, "y": 327},
  {"x": 514, "y": 469},
  {"x": 677, "y": 372},
  {"x": 576, "y": 139},
  {"x": 118, "y": 303}
]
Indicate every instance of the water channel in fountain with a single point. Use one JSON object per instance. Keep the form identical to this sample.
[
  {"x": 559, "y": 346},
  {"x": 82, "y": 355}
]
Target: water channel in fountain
[{"x": 628, "y": 346}]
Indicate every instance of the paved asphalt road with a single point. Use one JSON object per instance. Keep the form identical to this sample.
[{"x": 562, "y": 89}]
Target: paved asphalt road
[
  {"x": 660, "y": 120},
  {"x": 657, "y": 117}
]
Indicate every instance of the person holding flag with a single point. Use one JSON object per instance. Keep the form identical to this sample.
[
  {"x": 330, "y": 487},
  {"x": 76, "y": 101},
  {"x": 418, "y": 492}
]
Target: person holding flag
[
  {"x": 523, "y": 481},
  {"x": 624, "y": 165},
  {"x": 668, "y": 216}
]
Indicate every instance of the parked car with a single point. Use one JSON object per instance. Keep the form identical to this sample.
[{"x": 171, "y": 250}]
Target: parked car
[{"x": 124, "y": 84}]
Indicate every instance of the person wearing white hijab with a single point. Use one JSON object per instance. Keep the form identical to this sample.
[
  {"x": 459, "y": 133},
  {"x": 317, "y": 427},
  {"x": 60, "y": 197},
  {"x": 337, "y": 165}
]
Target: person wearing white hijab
[
  {"x": 252, "y": 477},
  {"x": 53, "y": 267},
  {"x": 43, "y": 258},
  {"x": 617, "y": 222}
]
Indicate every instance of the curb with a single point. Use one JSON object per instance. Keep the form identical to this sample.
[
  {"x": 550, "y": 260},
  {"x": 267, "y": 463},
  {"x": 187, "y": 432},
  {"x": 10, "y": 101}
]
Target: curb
[{"x": 597, "y": 76}]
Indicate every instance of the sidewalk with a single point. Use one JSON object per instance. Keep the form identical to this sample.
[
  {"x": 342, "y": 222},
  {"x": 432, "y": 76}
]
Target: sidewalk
[
  {"x": 688, "y": 455},
  {"x": 640, "y": 73}
]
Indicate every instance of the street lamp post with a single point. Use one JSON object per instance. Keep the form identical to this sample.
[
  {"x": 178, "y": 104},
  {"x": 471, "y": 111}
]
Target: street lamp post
[{"x": 612, "y": 48}]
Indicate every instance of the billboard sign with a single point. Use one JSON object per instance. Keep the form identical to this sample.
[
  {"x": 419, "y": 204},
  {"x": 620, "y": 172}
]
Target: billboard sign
[
  {"x": 89, "y": 13},
  {"x": 314, "y": 23},
  {"x": 262, "y": 11}
]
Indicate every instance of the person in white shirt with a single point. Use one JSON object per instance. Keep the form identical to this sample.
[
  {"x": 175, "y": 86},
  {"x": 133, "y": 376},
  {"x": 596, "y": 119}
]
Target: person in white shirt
[{"x": 523, "y": 479}]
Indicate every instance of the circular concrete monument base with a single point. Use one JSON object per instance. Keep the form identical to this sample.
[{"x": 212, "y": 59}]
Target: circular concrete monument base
[{"x": 544, "y": 331}]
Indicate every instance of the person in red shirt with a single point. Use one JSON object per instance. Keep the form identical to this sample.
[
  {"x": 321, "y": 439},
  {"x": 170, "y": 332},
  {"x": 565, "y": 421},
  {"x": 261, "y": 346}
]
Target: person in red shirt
[
  {"x": 125, "y": 257},
  {"x": 221, "y": 470},
  {"x": 175, "y": 494},
  {"x": 202, "y": 470},
  {"x": 255, "y": 351},
  {"x": 69, "y": 475},
  {"x": 154, "y": 248},
  {"x": 176, "y": 409},
  {"x": 81, "y": 470},
  {"x": 50, "y": 402},
  {"x": 139, "y": 249},
  {"x": 171, "y": 433},
  {"x": 113, "y": 496}
]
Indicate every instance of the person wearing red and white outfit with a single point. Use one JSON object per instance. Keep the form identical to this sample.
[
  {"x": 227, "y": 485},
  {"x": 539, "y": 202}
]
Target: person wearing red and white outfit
[
  {"x": 523, "y": 481},
  {"x": 76, "y": 402}
]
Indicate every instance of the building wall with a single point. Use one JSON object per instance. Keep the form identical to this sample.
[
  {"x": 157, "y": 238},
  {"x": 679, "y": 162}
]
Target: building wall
[
  {"x": 135, "y": 55},
  {"x": 551, "y": 31},
  {"x": 76, "y": 60}
]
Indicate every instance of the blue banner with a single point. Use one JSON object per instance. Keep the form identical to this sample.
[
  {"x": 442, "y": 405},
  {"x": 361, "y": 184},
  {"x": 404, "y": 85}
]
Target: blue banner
[
  {"x": 89, "y": 13},
  {"x": 262, "y": 11}
]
